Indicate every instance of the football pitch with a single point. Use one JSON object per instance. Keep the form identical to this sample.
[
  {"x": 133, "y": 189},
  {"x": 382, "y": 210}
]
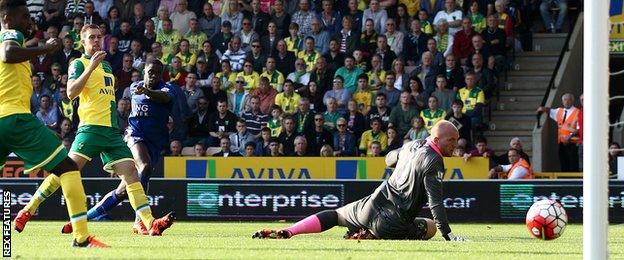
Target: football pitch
[{"x": 232, "y": 240}]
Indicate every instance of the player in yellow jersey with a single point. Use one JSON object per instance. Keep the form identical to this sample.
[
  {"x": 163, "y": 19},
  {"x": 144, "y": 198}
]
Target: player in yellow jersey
[
  {"x": 91, "y": 79},
  {"x": 22, "y": 133}
]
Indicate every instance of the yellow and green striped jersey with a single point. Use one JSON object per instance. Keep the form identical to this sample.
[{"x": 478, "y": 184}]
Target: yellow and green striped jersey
[
  {"x": 15, "y": 82},
  {"x": 196, "y": 40},
  {"x": 168, "y": 41},
  {"x": 97, "y": 98}
]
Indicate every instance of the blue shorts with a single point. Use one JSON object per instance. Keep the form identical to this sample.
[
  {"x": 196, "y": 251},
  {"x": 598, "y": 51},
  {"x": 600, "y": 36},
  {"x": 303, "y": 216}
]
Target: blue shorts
[{"x": 153, "y": 148}]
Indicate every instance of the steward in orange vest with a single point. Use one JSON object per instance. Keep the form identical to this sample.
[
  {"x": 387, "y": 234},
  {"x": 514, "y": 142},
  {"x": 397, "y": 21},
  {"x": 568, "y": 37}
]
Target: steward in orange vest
[{"x": 518, "y": 169}]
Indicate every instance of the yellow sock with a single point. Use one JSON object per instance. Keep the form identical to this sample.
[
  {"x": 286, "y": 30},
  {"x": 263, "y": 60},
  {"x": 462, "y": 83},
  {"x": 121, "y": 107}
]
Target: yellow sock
[
  {"x": 76, "y": 204},
  {"x": 48, "y": 186},
  {"x": 139, "y": 203}
]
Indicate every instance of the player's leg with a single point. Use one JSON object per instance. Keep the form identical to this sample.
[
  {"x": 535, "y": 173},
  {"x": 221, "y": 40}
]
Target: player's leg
[{"x": 40, "y": 148}]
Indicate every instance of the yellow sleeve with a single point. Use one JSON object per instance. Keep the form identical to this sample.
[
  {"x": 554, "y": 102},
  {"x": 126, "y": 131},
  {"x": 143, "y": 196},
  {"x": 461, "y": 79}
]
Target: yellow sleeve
[
  {"x": 481, "y": 97},
  {"x": 364, "y": 141},
  {"x": 383, "y": 140}
]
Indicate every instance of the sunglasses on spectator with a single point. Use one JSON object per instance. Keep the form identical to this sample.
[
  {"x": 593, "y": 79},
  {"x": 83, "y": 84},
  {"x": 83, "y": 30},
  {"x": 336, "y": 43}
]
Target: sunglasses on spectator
[
  {"x": 240, "y": 81},
  {"x": 318, "y": 119}
]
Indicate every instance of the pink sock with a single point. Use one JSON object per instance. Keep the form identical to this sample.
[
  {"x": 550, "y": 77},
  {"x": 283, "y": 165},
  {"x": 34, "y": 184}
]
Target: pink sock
[{"x": 311, "y": 224}]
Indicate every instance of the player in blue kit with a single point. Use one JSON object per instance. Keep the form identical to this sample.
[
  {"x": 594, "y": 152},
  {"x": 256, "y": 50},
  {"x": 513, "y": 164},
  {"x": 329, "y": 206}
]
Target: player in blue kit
[{"x": 146, "y": 136}]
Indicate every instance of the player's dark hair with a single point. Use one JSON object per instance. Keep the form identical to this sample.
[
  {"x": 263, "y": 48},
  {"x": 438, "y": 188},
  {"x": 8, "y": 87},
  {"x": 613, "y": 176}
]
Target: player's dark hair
[
  {"x": 155, "y": 63},
  {"x": 8, "y": 6}
]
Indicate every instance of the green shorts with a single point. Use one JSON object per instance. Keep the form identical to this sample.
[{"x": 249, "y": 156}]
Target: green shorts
[
  {"x": 33, "y": 142},
  {"x": 92, "y": 140}
]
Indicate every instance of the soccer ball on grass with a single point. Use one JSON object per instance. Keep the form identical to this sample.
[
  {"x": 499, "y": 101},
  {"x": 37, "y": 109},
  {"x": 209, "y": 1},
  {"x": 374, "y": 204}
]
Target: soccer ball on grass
[{"x": 546, "y": 219}]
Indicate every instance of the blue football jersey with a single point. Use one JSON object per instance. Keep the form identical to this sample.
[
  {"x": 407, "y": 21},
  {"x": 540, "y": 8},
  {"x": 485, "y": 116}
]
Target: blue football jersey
[{"x": 149, "y": 119}]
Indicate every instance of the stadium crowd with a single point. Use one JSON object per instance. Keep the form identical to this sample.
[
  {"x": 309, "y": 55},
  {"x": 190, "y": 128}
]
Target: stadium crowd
[{"x": 284, "y": 77}]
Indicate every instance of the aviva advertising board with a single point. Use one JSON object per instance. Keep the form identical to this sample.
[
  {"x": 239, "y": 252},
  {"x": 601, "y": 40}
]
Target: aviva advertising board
[{"x": 307, "y": 168}]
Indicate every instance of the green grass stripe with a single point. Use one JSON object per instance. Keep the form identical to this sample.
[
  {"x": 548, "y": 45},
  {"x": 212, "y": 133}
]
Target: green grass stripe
[
  {"x": 142, "y": 206},
  {"x": 362, "y": 169}
]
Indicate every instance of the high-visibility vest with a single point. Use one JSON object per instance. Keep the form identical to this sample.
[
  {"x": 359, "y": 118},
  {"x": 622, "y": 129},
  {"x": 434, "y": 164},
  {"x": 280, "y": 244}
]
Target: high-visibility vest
[
  {"x": 565, "y": 129},
  {"x": 521, "y": 163}
]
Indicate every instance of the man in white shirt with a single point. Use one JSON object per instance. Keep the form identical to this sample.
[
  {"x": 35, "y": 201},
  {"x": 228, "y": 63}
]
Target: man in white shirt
[{"x": 451, "y": 15}]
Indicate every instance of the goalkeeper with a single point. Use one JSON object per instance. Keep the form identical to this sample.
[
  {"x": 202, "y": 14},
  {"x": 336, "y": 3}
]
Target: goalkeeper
[{"x": 390, "y": 212}]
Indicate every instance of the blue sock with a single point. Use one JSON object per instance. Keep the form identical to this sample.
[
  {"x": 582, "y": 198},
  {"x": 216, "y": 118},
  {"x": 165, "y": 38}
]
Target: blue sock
[{"x": 110, "y": 201}]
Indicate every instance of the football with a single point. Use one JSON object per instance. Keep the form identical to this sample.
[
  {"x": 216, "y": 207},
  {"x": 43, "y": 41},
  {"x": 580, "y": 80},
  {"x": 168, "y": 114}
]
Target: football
[{"x": 546, "y": 219}]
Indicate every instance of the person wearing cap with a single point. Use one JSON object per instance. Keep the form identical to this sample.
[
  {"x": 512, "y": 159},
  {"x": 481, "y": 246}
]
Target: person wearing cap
[
  {"x": 221, "y": 40},
  {"x": 203, "y": 75}
]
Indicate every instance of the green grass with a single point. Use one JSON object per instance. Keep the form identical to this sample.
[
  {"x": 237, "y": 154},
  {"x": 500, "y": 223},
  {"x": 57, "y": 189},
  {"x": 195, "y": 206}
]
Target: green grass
[{"x": 227, "y": 240}]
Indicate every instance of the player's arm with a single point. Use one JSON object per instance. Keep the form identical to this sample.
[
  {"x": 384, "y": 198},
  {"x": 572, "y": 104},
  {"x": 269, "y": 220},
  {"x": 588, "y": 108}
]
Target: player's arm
[
  {"x": 78, "y": 74},
  {"x": 12, "y": 52},
  {"x": 433, "y": 188},
  {"x": 159, "y": 96}
]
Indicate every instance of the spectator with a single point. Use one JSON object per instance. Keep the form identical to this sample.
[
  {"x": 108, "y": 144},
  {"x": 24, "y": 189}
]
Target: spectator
[
  {"x": 247, "y": 35},
  {"x": 177, "y": 74},
  {"x": 66, "y": 130},
  {"x": 275, "y": 121},
  {"x": 331, "y": 115},
  {"x": 309, "y": 54},
  {"x": 288, "y": 100},
  {"x": 287, "y": 135},
  {"x": 452, "y": 15},
  {"x": 418, "y": 96},
  {"x": 226, "y": 76},
  {"x": 377, "y": 74},
  {"x": 476, "y": 18},
  {"x": 38, "y": 92},
  {"x": 339, "y": 94},
  {"x": 250, "y": 149},
  {"x": 349, "y": 73},
  {"x": 373, "y": 135},
  {"x": 234, "y": 16},
  {"x": 344, "y": 141},
  {"x": 266, "y": 94},
  {"x": 415, "y": 43},
  {"x": 403, "y": 17},
  {"x": 478, "y": 44},
  {"x": 318, "y": 136},
  {"x": 454, "y": 74},
  {"x": 548, "y": 19},
  {"x": 437, "y": 56},
  {"x": 222, "y": 122},
  {"x": 301, "y": 148},
  {"x": 276, "y": 78},
  {"x": 473, "y": 99},
  {"x": 279, "y": 17},
  {"x": 443, "y": 38},
  {"x": 394, "y": 141},
  {"x": 241, "y": 137},
  {"x": 123, "y": 112},
  {"x": 426, "y": 72},
  {"x": 238, "y": 98},
  {"x": 235, "y": 55},
  {"x": 90, "y": 16},
  {"x": 53, "y": 80},
  {"x": 392, "y": 94},
  {"x": 423, "y": 17},
  {"x": 209, "y": 23},
  {"x": 300, "y": 77},
  {"x": 274, "y": 148},
  {"x": 257, "y": 57},
  {"x": 175, "y": 148},
  {"x": 614, "y": 153},
  {"x": 312, "y": 93},
  {"x": 461, "y": 121},
  {"x": 356, "y": 122},
  {"x": 214, "y": 94},
  {"x": 567, "y": 134},
  {"x": 192, "y": 92},
  {"x": 68, "y": 108},
  {"x": 462, "y": 42},
  {"x": 221, "y": 40},
  {"x": 327, "y": 151},
  {"x": 401, "y": 115},
  {"x": 46, "y": 113},
  {"x": 321, "y": 75},
  {"x": 68, "y": 52},
  {"x": 181, "y": 17},
  {"x": 303, "y": 17},
  {"x": 355, "y": 14},
  {"x": 433, "y": 113},
  {"x": 484, "y": 77},
  {"x": 125, "y": 37},
  {"x": 225, "y": 145},
  {"x": 418, "y": 130},
  {"x": 138, "y": 56},
  {"x": 41, "y": 64},
  {"x": 199, "y": 124},
  {"x": 330, "y": 19},
  {"x": 255, "y": 120},
  {"x": 284, "y": 59},
  {"x": 294, "y": 41},
  {"x": 368, "y": 37},
  {"x": 168, "y": 38},
  {"x": 334, "y": 57},
  {"x": 394, "y": 37},
  {"x": 304, "y": 117},
  {"x": 505, "y": 21},
  {"x": 402, "y": 78},
  {"x": 516, "y": 144},
  {"x": 74, "y": 8},
  {"x": 187, "y": 58},
  {"x": 481, "y": 150},
  {"x": 53, "y": 12},
  {"x": 347, "y": 37},
  {"x": 270, "y": 39},
  {"x": 517, "y": 169},
  {"x": 377, "y": 15},
  {"x": 263, "y": 143},
  {"x": 179, "y": 113},
  {"x": 376, "y": 149},
  {"x": 363, "y": 97},
  {"x": 387, "y": 55},
  {"x": 495, "y": 39},
  {"x": 380, "y": 110},
  {"x": 203, "y": 74}
]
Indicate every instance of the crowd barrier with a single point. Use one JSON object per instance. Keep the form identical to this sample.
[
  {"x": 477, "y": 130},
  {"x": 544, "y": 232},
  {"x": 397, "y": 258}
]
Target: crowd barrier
[{"x": 202, "y": 199}]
